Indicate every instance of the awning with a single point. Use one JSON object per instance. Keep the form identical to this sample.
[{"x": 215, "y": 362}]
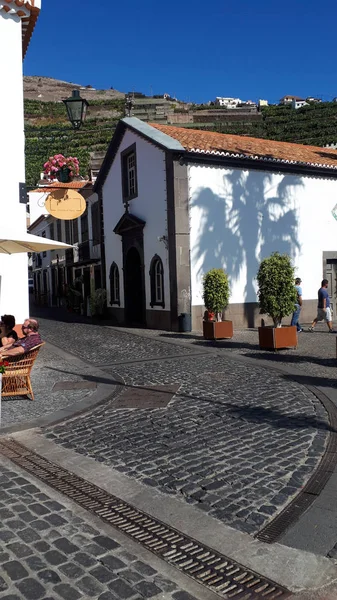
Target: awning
[{"x": 13, "y": 243}]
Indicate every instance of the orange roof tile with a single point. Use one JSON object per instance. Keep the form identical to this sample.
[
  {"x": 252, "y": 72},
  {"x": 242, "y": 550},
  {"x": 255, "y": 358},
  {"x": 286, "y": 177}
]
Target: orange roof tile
[
  {"x": 28, "y": 22},
  {"x": 237, "y": 146},
  {"x": 72, "y": 185}
]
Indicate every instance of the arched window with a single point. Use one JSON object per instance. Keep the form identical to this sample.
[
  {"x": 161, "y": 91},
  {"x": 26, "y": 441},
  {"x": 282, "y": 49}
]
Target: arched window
[
  {"x": 114, "y": 284},
  {"x": 157, "y": 282}
]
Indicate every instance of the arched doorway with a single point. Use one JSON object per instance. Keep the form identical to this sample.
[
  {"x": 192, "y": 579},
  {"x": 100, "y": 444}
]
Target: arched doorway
[{"x": 134, "y": 288}]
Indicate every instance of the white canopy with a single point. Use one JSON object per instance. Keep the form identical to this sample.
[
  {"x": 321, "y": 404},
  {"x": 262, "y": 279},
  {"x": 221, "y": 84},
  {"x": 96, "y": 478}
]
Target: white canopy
[{"x": 12, "y": 243}]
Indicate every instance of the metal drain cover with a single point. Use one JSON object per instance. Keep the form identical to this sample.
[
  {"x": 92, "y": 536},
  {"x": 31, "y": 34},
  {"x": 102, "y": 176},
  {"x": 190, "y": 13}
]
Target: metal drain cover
[
  {"x": 219, "y": 573},
  {"x": 156, "y": 396}
]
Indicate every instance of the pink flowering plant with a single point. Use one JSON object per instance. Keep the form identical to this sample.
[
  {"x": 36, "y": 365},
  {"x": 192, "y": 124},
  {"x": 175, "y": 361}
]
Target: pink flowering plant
[{"x": 58, "y": 162}]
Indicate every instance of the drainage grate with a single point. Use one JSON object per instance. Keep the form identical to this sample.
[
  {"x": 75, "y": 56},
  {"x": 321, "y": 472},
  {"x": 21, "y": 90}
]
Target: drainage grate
[{"x": 220, "y": 574}]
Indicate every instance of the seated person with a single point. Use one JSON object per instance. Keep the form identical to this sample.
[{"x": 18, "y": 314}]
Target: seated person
[
  {"x": 7, "y": 333},
  {"x": 30, "y": 339}
]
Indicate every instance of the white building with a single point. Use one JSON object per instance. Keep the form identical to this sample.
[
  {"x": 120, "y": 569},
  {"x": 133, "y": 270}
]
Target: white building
[
  {"x": 262, "y": 103},
  {"x": 17, "y": 21},
  {"x": 298, "y": 104},
  {"x": 289, "y": 99},
  {"x": 56, "y": 270},
  {"x": 227, "y": 102},
  {"x": 179, "y": 202}
]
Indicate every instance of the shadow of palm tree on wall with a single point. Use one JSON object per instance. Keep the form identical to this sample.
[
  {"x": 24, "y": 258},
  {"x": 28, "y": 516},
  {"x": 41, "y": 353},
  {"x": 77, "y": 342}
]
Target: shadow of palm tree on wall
[{"x": 252, "y": 218}]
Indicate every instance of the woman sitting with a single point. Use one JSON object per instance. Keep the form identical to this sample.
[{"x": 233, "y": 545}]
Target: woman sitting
[{"x": 7, "y": 333}]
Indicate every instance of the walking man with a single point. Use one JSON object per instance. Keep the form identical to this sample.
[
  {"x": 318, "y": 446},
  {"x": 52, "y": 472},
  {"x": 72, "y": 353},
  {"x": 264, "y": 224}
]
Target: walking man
[
  {"x": 298, "y": 305},
  {"x": 323, "y": 308}
]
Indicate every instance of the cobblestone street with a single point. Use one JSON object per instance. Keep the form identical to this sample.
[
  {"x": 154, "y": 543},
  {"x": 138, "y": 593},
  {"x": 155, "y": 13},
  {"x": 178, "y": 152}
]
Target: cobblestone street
[
  {"x": 235, "y": 441},
  {"x": 48, "y": 550},
  {"x": 47, "y": 398},
  {"x": 189, "y": 422}
]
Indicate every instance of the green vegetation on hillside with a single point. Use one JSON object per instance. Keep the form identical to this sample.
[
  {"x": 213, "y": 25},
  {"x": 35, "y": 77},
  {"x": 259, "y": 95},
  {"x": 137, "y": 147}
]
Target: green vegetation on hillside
[
  {"x": 48, "y": 131},
  {"x": 315, "y": 124}
]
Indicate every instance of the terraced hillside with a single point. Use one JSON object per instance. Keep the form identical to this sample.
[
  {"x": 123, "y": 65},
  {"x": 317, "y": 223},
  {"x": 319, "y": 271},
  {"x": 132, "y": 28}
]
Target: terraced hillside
[
  {"x": 48, "y": 131},
  {"x": 315, "y": 124}
]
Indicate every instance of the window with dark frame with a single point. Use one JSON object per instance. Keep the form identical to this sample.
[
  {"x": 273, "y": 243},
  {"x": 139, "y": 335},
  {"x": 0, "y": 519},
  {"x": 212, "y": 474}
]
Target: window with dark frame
[
  {"x": 51, "y": 231},
  {"x": 75, "y": 230},
  {"x": 44, "y": 254},
  {"x": 157, "y": 282},
  {"x": 67, "y": 232},
  {"x": 95, "y": 221},
  {"x": 114, "y": 285},
  {"x": 129, "y": 173},
  {"x": 84, "y": 227},
  {"x": 59, "y": 230}
]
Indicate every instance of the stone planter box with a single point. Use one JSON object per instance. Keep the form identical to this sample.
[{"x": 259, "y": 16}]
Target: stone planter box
[{"x": 275, "y": 338}]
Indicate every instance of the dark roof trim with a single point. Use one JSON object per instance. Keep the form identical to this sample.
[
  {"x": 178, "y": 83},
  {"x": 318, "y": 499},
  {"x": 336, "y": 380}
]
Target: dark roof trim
[
  {"x": 259, "y": 165},
  {"x": 146, "y": 132},
  {"x": 150, "y": 134}
]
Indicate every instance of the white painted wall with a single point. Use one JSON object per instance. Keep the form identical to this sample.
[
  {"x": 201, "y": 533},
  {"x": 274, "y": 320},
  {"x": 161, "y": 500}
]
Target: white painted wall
[
  {"x": 150, "y": 205},
  {"x": 14, "y": 268},
  {"x": 239, "y": 217},
  {"x": 37, "y": 205}
]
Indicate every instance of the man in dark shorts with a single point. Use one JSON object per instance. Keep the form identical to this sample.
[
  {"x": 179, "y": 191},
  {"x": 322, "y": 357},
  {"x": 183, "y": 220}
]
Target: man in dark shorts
[
  {"x": 323, "y": 308},
  {"x": 30, "y": 339}
]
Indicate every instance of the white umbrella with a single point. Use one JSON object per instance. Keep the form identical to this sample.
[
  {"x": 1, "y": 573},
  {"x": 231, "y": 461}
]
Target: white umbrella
[{"x": 12, "y": 242}]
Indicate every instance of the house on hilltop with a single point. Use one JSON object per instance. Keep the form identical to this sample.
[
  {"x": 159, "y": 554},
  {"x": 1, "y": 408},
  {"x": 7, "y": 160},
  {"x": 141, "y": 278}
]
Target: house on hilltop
[
  {"x": 177, "y": 202},
  {"x": 289, "y": 99}
]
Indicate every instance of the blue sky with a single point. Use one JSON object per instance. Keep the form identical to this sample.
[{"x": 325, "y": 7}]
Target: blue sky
[{"x": 193, "y": 50}]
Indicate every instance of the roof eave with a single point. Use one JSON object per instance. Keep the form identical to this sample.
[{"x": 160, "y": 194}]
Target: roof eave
[
  {"x": 155, "y": 136},
  {"x": 259, "y": 162}
]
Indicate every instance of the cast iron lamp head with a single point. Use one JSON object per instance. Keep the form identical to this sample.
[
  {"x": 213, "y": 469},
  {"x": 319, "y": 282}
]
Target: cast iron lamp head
[{"x": 76, "y": 109}]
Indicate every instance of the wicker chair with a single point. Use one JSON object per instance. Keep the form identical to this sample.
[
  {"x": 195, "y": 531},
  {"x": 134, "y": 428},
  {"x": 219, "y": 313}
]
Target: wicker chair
[{"x": 16, "y": 379}]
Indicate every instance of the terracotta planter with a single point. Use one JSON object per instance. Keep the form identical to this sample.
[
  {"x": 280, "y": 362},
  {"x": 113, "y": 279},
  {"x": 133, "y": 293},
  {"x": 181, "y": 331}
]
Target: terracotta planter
[
  {"x": 218, "y": 330},
  {"x": 274, "y": 338}
]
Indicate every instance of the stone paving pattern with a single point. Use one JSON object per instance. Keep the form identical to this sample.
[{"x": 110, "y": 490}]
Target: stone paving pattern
[
  {"x": 236, "y": 441},
  {"x": 314, "y": 357},
  {"x": 47, "y": 552},
  {"x": 100, "y": 345},
  {"x": 49, "y": 368}
]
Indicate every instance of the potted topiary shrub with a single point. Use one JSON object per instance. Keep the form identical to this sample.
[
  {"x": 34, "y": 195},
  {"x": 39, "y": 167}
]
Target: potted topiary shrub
[
  {"x": 277, "y": 297},
  {"x": 216, "y": 296}
]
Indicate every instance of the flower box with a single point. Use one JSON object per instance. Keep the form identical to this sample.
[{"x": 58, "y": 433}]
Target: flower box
[
  {"x": 218, "y": 330},
  {"x": 275, "y": 338}
]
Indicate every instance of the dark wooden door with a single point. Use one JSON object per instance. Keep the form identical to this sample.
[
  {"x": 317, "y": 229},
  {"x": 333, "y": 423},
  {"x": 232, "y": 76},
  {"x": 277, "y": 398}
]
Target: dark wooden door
[{"x": 133, "y": 288}]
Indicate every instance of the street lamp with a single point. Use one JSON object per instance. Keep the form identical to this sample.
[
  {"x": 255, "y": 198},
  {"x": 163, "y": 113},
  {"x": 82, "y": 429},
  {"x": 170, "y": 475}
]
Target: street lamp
[
  {"x": 128, "y": 105},
  {"x": 76, "y": 109}
]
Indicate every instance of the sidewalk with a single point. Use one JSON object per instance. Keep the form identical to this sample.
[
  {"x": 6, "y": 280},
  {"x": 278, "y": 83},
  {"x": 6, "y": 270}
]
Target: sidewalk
[
  {"x": 184, "y": 428},
  {"x": 51, "y": 548}
]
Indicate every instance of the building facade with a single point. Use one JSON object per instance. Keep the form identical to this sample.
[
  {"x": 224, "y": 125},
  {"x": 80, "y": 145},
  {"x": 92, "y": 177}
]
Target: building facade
[
  {"x": 68, "y": 278},
  {"x": 177, "y": 202},
  {"x": 17, "y": 21}
]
